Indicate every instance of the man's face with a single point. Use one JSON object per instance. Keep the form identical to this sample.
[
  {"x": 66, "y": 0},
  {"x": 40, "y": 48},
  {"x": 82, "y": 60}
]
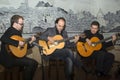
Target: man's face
[
  {"x": 60, "y": 25},
  {"x": 94, "y": 29},
  {"x": 20, "y": 24}
]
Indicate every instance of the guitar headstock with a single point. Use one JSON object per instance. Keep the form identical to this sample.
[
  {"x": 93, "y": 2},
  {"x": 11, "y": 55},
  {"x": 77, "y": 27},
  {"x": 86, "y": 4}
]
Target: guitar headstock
[
  {"x": 37, "y": 35},
  {"x": 82, "y": 35},
  {"x": 118, "y": 35}
]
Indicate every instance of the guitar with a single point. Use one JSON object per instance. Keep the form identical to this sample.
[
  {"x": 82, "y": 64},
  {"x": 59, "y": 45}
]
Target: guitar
[
  {"x": 49, "y": 48},
  {"x": 85, "y": 50},
  {"x": 19, "y": 51}
]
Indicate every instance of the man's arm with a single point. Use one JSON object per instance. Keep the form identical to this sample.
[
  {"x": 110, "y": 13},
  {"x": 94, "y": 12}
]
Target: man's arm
[
  {"x": 44, "y": 35},
  {"x": 6, "y": 39}
]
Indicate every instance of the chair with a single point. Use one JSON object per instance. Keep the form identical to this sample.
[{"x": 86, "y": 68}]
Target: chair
[
  {"x": 57, "y": 64},
  {"x": 53, "y": 63},
  {"x": 13, "y": 73},
  {"x": 1, "y": 72}
]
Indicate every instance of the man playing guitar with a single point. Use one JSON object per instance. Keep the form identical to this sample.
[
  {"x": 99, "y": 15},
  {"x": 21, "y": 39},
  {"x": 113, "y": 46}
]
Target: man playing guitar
[
  {"x": 52, "y": 38},
  {"x": 7, "y": 58},
  {"x": 104, "y": 59}
]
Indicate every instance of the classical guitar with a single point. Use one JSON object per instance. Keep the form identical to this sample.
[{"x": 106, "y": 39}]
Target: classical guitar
[
  {"x": 19, "y": 51},
  {"x": 49, "y": 48},
  {"x": 85, "y": 50}
]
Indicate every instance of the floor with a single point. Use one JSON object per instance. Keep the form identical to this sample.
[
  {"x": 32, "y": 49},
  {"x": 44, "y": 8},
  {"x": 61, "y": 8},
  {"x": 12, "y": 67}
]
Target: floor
[
  {"x": 79, "y": 74},
  {"x": 51, "y": 74}
]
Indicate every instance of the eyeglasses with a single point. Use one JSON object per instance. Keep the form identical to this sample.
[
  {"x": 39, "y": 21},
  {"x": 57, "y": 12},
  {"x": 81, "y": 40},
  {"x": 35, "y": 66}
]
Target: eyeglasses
[
  {"x": 21, "y": 24},
  {"x": 60, "y": 25}
]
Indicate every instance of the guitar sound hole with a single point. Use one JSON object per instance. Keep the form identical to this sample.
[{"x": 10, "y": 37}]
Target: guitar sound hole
[{"x": 21, "y": 48}]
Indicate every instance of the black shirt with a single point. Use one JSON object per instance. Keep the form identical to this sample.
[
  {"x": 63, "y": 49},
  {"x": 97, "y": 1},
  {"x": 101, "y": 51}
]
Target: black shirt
[
  {"x": 6, "y": 58},
  {"x": 89, "y": 35}
]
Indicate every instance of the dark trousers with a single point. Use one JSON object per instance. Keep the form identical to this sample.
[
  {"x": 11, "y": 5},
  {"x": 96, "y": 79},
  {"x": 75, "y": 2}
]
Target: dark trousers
[
  {"x": 67, "y": 56},
  {"x": 29, "y": 66},
  {"x": 104, "y": 61}
]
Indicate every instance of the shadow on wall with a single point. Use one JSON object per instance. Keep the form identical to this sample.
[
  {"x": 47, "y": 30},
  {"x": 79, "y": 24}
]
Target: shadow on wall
[{"x": 38, "y": 29}]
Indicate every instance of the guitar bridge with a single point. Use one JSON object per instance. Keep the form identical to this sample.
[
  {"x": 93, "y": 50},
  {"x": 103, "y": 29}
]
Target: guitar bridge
[
  {"x": 55, "y": 43},
  {"x": 20, "y": 47},
  {"x": 93, "y": 44}
]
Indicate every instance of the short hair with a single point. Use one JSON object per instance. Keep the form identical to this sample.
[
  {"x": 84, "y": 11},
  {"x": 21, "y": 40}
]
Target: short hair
[
  {"x": 95, "y": 23},
  {"x": 15, "y": 18},
  {"x": 60, "y": 18}
]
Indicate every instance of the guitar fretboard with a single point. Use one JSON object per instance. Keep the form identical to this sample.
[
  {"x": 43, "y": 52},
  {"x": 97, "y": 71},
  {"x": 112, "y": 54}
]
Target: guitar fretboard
[
  {"x": 70, "y": 38},
  {"x": 103, "y": 40},
  {"x": 63, "y": 40}
]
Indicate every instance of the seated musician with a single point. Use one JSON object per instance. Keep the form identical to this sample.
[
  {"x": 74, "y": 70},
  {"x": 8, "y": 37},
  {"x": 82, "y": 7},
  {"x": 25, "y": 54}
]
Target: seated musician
[
  {"x": 7, "y": 58},
  {"x": 103, "y": 58},
  {"x": 63, "y": 53}
]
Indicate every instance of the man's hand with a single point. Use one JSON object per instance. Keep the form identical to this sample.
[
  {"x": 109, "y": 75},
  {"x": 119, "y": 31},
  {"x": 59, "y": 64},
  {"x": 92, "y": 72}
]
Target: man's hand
[
  {"x": 21, "y": 43},
  {"x": 32, "y": 39},
  {"x": 88, "y": 41},
  {"x": 114, "y": 37},
  {"x": 76, "y": 38},
  {"x": 51, "y": 39}
]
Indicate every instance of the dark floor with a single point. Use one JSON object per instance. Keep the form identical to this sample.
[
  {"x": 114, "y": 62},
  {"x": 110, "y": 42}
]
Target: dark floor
[{"x": 79, "y": 74}]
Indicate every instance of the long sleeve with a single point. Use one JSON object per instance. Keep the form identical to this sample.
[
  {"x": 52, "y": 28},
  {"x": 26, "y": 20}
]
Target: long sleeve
[
  {"x": 6, "y": 38},
  {"x": 107, "y": 45},
  {"x": 45, "y": 35},
  {"x": 68, "y": 44},
  {"x": 86, "y": 33}
]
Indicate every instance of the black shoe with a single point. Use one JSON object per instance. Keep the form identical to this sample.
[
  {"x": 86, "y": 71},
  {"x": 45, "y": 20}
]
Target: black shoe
[
  {"x": 86, "y": 69},
  {"x": 99, "y": 74},
  {"x": 70, "y": 78}
]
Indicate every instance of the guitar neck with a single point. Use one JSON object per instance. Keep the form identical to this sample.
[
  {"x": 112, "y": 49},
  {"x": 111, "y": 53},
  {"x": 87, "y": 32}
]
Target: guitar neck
[
  {"x": 37, "y": 35},
  {"x": 63, "y": 40},
  {"x": 103, "y": 40},
  {"x": 27, "y": 40},
  {"x": 70, "y": 38}
]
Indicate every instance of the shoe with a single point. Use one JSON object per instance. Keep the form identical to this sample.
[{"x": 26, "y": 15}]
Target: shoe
[
  {"x": 70, "y": 77},
  {"x": 106, "y": 75},
  {"x": 99, "y": 74},
  {"x": 86, "y": 70}
]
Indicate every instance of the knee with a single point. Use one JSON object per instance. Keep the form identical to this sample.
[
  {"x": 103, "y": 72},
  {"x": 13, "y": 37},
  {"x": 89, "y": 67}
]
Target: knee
[
  {"x": 33, "y": 63},
  {"x": 69, "y": 62},
  {"x": 70, "y": 53},
  {"x": 112, "y": 56}
]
